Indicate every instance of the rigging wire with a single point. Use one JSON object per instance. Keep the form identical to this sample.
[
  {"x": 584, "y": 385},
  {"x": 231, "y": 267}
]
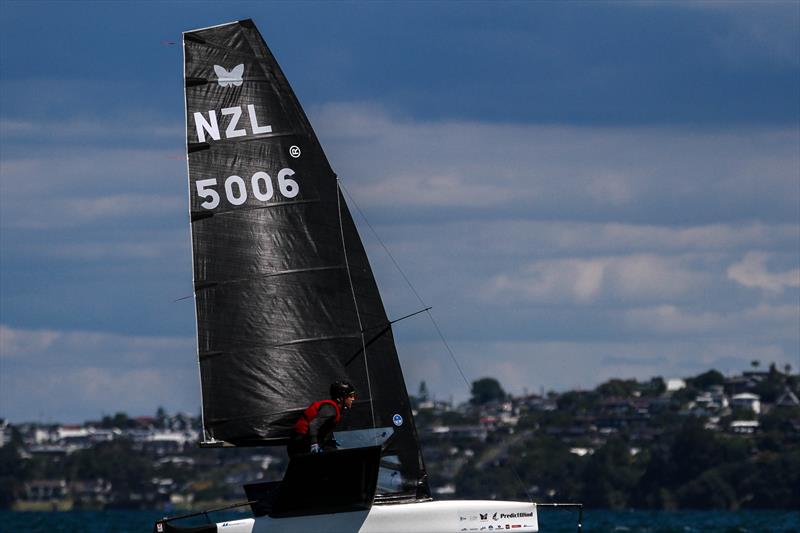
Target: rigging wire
[
  {"x": 410, "y": 286},
  {"x": 355, "y": 303},
  {"x": 427, "y": 311}
]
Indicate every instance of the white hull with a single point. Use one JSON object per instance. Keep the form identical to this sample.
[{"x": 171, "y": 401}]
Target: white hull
[{"x": 424, "y": 517}]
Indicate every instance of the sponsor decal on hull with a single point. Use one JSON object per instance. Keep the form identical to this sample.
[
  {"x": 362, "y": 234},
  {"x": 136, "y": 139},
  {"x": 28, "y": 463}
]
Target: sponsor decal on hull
[{"x": 496, "y": 521}]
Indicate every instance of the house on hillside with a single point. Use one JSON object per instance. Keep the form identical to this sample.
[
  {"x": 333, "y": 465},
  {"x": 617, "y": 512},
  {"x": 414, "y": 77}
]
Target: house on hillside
[
  {"x": 709, "y": 402},
  {"x": 675, "y": 384},
  {"x": 745, "y": 427},
  {"x": 45, "y": 490},
  {"x": 90, "y": 494},
  {"x": 744, "y": 383},
  {"x": 787, "y": 399},
  {"x": 747, "y": 400},
  {"x": 76, "y": 437},
  {"x": 534, "y": 402},
  {"x": 5, "y": 432}
]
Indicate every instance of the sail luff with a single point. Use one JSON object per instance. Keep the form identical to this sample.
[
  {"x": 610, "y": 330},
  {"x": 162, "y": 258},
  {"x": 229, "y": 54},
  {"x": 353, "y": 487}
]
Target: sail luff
[{"x": 191, "y": 247}]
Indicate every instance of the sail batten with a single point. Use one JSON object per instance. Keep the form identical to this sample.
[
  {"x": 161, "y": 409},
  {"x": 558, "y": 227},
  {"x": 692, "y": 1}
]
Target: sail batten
[
  {"x": 199, "y": 286},
  {"x": 284, "y": 291},
  {"x": 208, "y": 355},
  {"x": 196, "y": 147}
]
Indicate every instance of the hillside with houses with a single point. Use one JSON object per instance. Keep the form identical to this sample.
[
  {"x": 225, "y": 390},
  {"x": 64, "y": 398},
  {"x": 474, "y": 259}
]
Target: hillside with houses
[{"x": 707, "y": 441}]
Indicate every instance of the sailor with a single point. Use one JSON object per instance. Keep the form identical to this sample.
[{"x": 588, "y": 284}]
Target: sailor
[{"x": 313, "y": 432}]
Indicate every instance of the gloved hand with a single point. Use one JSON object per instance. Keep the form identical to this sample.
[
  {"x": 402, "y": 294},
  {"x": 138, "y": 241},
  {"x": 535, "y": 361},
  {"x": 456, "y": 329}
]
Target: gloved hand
[{"x": 315, "y": 448}]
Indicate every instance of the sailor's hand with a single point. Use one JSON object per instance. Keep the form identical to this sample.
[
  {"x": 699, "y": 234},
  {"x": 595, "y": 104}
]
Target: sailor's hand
[{"x": 315, "y": 448}]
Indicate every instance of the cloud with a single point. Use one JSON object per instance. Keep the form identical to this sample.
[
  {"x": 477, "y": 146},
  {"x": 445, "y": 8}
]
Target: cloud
[
  {"x": 752, "y": 272},
  {"x": 766, "y": 322},
  {"x": 85, "y": 210},
  {"x": 670, "y": 319},
  {"x": 127, "y": 129},
  {"x": 30, "y": 346},
  {"x": 446, "y": 169},
  {"x": 583, "y": 281},
  {"x": 68, "y": 188},
  {"x": 68, "y": 374},
  {"x": 159, "y": 246},
  {"x": 506, "y": 246},
  {"x": 552, "y": 172},
  {"x": 78, "y": 394},
  {"x": 18, "y": 343}
]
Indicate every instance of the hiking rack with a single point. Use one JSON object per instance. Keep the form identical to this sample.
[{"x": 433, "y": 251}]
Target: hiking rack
[
  {"x": 578, "y": 506},
  {"x": 167, "y": 519}
]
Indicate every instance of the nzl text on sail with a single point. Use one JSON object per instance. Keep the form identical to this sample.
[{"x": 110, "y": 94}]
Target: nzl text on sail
[{"x": 236, "y": 190}]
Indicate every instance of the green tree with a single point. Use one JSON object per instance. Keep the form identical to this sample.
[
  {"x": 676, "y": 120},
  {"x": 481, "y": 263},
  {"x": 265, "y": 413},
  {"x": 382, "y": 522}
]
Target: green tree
[
  {"x": 771, "y": 481},
  {"x": 576, "y": 401},
  {"x": 653, "y": 489},
  {"x": 617, "y": 388},
  {"x": 486, "y": 390},
  {"x": 422, "y": 394},
  {"x": 610, "y": 476},
  {"x": 161, "y": 418},
  {"x": 494, "y": 481},
  {"x": 655, "y": 387},
  {"x": 116, "y": 461},
  {"x": 707, "y": 379},
  {"x": 710, "y": 490},
  {"x": 119, "y": 420},
  {"x": 770, "y": 389},
  {"x": 11, "y": 470},
  {"x": 548, "y": 468}
]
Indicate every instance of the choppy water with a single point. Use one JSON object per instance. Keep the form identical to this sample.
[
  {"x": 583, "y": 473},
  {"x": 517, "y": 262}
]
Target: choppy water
[{"x": 551, "y": 521}]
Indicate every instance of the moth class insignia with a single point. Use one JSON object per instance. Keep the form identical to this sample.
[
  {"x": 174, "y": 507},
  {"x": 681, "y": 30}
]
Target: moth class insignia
[{"x": 232, "y": 78}]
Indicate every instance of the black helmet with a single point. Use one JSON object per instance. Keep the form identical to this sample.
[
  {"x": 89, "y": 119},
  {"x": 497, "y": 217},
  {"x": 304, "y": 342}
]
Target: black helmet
[{"x": 341, "y": 389}]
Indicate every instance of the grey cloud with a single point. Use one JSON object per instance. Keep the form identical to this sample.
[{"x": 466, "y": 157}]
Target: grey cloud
[
  {"x": 119, "y": 131},
  {"x": 583, "y": 281},
  {"x": 666, "y": 175},
  {"x": 533, "y": 238},
  {"x": 752, "y": 271},
  {"x": 158, "y": 247},
  {"x": 33, "y": 346},
  {"x": 68, "y": 188},
  {"x": 67, "y": 374},
  {"x": 763, "y": 321}
]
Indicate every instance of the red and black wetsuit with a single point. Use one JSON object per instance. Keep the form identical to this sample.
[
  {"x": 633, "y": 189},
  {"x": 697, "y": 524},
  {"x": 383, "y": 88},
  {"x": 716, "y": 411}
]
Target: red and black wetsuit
[{"x": 316, "y": 424}]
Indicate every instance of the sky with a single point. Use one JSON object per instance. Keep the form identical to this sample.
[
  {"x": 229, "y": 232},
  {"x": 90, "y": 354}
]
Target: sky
[{"x": 581, "y": 190}]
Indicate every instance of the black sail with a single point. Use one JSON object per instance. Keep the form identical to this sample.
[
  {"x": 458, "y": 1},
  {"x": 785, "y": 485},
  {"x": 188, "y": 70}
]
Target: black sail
[{"x": 285, "y": 296}]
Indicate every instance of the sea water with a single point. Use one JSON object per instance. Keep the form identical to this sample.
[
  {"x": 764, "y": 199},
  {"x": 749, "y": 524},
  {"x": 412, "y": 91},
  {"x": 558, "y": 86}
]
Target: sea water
[{"x": 550, "y": 521}]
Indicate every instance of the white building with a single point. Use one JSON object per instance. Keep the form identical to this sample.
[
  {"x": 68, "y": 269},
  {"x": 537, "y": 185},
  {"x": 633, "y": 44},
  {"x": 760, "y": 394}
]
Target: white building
[
  {"x": 675, "y": 384},
  {"x": 744, "y": 426},
  {"x": 747, "y": 400},
  {"x": 5, "y": 433}
]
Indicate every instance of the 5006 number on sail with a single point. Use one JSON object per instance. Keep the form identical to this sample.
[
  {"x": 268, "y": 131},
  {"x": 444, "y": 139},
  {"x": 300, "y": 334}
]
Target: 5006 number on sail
[{"x": 236, "y": 189}]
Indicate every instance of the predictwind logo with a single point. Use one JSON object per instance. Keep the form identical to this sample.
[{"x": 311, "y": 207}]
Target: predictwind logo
[{"x": 232, "y": 78}]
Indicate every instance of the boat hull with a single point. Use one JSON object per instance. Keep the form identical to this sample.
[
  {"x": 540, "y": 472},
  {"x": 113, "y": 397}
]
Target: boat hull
[{"x": 423, "y": 517}]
